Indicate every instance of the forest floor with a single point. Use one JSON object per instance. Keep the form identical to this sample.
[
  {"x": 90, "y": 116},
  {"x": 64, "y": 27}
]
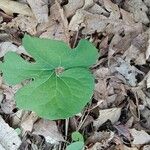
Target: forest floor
[{"x": 118, "y": 115}]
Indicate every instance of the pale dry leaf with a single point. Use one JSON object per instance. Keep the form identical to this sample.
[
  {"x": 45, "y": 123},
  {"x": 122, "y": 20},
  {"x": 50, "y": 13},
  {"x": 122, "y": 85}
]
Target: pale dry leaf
[
  {"x": 147, "y": 2},
  {"x": 113, "y": 9},
  {"x": 127, "y": 17},
  {"x": 148, "y": 50},
  {"x": 9, "y": 139},
  {"x": 88, "y": 4},
  {"x": 16, "y": 118},
  {"x": 128, "y": 71},
  {"x": 146, "y": 147},
  {"x": 139, "y": 9},
  {"x": 72, "y": 6},
  {"x": 112, "y": 114},
  {"x": 7, "y": 46},
  {"x": 90, "y": 22},
  {"x": 102, "y": 141},
  {"x": 98, "y": 137},
  {"x": 57, "y": 28},
  {"x": 40, "y": 9},
  {"x": 100, "y": 92},
  {"x": 97, "y": 9},
  {"x": 27, "y": 122},
  {"x": 140, "y": 137},
  {"x": 10, "y": 7},
  {"x": 23, "y": 23},
  {"x": 148, "y": 80},
  {"x": 49, "y": 130}
]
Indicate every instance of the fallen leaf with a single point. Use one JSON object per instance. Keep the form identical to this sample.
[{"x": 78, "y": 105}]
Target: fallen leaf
[
  {"x": 72, "y": 6},
  {"x": 40, "y": 9},
  {"x": 57, "y": 27},
  {"x": 9, "y": 140},
  {"x": 10, "y": 7},
  {"x": 27, "y": 122},
  {"x": 90, "y": 22},
  {"x": 23, "y": 23},
  {"x": 146, "y": 147},
  {"x": 112, "y": 114},
  {"x": 140, "y": 137},
  {"x": 139, "y": 9},
  {"x": 113, "y": 9},
  {"x": 49, "y": 130}
]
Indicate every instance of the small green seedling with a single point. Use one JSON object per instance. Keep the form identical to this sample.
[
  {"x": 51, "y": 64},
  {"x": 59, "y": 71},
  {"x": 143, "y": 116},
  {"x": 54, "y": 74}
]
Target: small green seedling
[
  {"x": 77, "y": 142},
  {"x": 61, "y": 81}
]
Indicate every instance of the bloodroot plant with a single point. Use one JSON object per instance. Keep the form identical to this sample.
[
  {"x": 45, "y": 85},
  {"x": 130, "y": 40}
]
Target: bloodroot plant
[{"x": 62, "y": 83}]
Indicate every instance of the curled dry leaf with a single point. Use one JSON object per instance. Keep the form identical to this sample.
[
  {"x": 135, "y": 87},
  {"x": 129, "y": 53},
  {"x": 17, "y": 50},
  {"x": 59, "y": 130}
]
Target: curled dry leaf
[
  {"x": 10, "y": 7},
  {"x": 49, "y": 130},
  {"x": 9, "y": 139},
  {"x": 140, "y": 137},
  {"x": 40, "y": 9},
  {"x": 112, "y": 114}
]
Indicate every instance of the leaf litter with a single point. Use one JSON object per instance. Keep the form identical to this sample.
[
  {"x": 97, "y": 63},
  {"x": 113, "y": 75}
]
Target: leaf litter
[{"x": 120, "y": 31}]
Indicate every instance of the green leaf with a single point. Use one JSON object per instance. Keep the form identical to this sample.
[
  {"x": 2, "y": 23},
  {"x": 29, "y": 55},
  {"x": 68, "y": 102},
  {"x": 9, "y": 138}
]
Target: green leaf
[
  {"x": 75, "y": 146},
  {"x": 62, "y": 83},
  {"x": 77, "y": 136}
]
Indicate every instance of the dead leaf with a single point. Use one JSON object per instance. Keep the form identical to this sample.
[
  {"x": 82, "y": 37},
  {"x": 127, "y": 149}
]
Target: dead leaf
[
  {"x": 146, "y": 147},
  {"x": 10, "y": 7},
  {"x": 27, "y": 122},
  {"x": 140, "y": 137},
  {"x": 148, "y": 50},
  {"x": 97, "y": 9},
  {"x": 112, "y": 114},
  {"x": 23, "y": 23},
  {"x": 57, "y": 28},
  {"x": 90, "y": 22},
  {"x": 49, "y": 130},
  {"x": 103, "y": 137},
  {"x": 113, "y": 9},
  {"x": 72, "y": 6},
  {"x": 128, "y": 71},
  {"x": 139, "y": 9},
  {"x": 9, "y": 139},
  {"x": 40, "y": 9}
]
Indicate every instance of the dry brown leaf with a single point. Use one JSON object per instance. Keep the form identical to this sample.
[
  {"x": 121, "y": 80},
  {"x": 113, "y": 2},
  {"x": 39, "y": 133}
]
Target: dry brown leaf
[
  {"x": 140, "y": 137},
  {"x": 49, "y": 130},
  {"x": 40, "y": 9},
  {"x": 28, "y": 121},
  {"x": 103, "y": 139},
  {"x": 72, "y": 6},
  {"x": 57, "y": 28},
  {"x": 9, "y": 139},
  {"x": 90, "y": 22},
  {"x": 127, "y": 17},
  {"x": 146, "y": 147},
  {"x": 8, "y": 103},
  {"x": 139, "y": 9},
  {"x": 128, "y": 71},
  {"x": 97, "y": 9},
  {"x": 112, "y": 114},
  {"x": 113, "y": 9},
  {"x": 10, "y": 7},
  {"x": 148, "y": 50}
]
